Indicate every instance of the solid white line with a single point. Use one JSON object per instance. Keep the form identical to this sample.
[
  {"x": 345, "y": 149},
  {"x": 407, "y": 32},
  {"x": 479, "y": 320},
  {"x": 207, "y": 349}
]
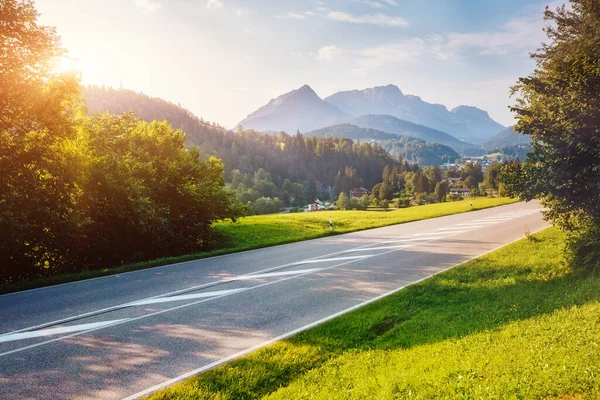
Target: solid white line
[
  {"x": 295, "y": 331},
  {"x": 182, "y": 297},
  {"x": 58, "y": 331}
]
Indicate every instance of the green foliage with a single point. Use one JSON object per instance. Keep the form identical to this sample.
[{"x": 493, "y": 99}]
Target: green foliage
[
  {"x": 143, "y": 194},
  {"x": 492, "y": 176},
  {"x": 343, "y": 202},
  {"x": 266, "y": 205},
  {"x": 36, "y": 177},
  {"x": 559, "y": 108},
  {"x": 511, "y": 324},
  {"x": 441, "y": 190}
]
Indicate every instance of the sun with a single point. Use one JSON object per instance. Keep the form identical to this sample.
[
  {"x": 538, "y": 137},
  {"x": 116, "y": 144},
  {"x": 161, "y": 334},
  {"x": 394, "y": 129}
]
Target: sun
[{"x": 63, "y": 65}]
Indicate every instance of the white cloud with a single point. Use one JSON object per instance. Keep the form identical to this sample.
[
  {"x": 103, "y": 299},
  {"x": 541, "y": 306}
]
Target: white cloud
[
  {"x": 214, "y": 3},
  {"x": 293, "y": 15},
  {"x": 329, "y": 52},
  {"x": 377, "y": 19},
  {"x": 374, "y": 4},
  {"x": 401, "y": 52},
  {"x": 382, "y": 3},
  {"x": 147, "y": 5},
  {"x": 517, "y": 34}
]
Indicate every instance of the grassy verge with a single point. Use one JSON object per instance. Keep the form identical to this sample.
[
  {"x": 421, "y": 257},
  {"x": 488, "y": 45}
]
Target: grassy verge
[
  {"x": 512, "y": 324},
  {"x": 269, "y": 230}
]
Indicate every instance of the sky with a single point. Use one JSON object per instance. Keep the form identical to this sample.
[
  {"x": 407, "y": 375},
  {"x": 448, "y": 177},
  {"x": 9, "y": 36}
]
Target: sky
[{"x": 223, "y": 59}]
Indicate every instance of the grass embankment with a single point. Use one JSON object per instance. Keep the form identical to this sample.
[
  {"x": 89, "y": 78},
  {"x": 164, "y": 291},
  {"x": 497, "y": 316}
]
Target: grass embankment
[
  {"x": 269, "y": 230},
  {"x": 512, "y": 324}
]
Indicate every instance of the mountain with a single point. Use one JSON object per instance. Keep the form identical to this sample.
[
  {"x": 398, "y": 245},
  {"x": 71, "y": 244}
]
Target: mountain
[
  {"x": 301, "y": 109},
  {"x": 388, "y": 123},
  {"x": 409, "y": 148},
  {"x": 506, "y": 138},
  {"x": 464, "y": 122}
]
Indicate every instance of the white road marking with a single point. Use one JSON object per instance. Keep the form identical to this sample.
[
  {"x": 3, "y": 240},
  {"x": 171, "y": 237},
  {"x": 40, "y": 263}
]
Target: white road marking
[
  {"x": 58, "y": 331},
  {"x": 272, "y": 274},
  {"x": 319, "y": 260},
  {"x": 183, "y": 297}
]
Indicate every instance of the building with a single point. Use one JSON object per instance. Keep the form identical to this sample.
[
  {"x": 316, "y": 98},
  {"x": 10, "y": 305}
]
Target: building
[
  {"x": 359, "y": 192},
  {"x": 454, "y": 181},
  {"x": 460, "y": 192}
]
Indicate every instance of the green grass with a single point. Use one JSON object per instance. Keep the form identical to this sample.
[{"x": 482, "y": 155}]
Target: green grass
[
  {"x": 514, "y": 324},
  {"x": 269, "y": 230}
]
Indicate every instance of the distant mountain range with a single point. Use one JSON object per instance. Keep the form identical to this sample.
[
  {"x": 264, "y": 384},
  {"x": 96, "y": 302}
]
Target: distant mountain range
[
  {"x": 383, "y": 108},
  {"x": 464, "y": 122},
  {"x": 506, "y": 138},
  {"x": 408, "y": 147}
]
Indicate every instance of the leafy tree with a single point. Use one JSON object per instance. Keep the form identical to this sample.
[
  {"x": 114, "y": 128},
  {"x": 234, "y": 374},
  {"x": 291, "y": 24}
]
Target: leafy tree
[
  {"x": 36, "y": 178},
  {"x": 343, "y": 202},
  {"x": 385, "y": 191},
  {"x": 559, "y": 107},
  {"x": 441, "y": 190},
  {"x": 492, "y": 176},
  {"x": 363, "y": 202}
]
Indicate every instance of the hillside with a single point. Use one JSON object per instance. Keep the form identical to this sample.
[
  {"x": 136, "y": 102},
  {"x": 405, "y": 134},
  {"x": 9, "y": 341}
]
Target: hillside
[
  {"x": 464, "y": 122},
  {"x": 399, "y": 146},
  {"x": 388, "y": 123},
  {"x": 506, "y": 138},
  {"x": 301, "y": 109}
]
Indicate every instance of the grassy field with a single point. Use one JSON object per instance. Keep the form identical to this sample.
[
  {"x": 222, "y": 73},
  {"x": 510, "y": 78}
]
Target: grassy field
[
  {"x": 269, "y": 230},
  {"x": 513, "y": 324}
]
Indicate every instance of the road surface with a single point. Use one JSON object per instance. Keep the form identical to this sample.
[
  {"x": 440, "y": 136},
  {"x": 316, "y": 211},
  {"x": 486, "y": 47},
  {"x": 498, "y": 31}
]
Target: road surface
[{"x": 126, "y": 334}]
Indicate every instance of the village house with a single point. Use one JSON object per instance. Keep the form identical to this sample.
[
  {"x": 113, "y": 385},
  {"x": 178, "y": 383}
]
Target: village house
[
  {"x": 460, "y": 192},
  {"x": 454, "y": 181},
  {"x": 359, "y": 192}
]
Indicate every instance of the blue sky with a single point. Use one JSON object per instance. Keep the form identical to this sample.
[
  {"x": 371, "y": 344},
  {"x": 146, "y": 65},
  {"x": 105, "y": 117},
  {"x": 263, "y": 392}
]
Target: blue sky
[{"x": 222, "y": 59}]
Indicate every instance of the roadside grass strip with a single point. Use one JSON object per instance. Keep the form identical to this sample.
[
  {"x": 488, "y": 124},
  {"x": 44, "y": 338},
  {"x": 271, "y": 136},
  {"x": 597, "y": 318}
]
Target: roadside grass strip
[
  {"x": 270, "y": 230},
  {"x": 515, "y": 323}
]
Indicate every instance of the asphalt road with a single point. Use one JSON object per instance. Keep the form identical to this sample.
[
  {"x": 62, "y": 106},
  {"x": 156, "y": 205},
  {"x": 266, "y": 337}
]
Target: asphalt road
[{"x": 121, "y": 335}]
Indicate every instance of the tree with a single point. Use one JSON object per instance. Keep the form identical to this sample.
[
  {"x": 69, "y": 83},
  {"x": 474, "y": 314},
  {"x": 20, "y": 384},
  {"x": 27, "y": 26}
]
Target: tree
[
  {"x": 36, "y": 179},
  {"x": 441, "y": 190},
  {"x": 343, "y": 202},
  {"x": 559, "y": 107},
  {"x": 492, "y": 176}
]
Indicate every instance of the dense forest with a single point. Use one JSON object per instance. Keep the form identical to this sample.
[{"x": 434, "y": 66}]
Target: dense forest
[{"x": 400, "y": 147}]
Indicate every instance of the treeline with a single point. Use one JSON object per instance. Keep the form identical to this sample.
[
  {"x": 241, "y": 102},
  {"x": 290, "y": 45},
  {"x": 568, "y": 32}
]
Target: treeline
[
  {"x": 408, "y": 185},
  {"x": 79, "y": 192}
]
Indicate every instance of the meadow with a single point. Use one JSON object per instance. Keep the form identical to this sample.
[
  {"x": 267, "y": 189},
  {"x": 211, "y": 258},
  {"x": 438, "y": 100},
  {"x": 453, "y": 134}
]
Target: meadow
[
  {"x": 268, "y": 230},
  {"x": 516, "y": 323}
]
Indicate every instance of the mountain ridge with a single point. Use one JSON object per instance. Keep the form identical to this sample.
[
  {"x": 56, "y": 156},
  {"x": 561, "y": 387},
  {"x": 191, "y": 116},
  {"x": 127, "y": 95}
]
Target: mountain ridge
[{"x": 464, "y": 122}]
